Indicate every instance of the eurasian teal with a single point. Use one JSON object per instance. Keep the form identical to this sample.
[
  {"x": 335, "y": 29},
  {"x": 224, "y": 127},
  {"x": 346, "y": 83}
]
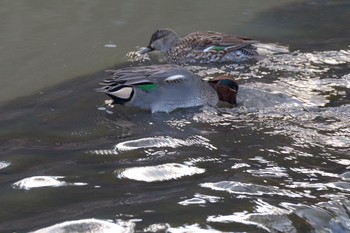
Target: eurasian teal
[
  {"x": 201, "y": 47},
  {"x": 164, "y": 88}
]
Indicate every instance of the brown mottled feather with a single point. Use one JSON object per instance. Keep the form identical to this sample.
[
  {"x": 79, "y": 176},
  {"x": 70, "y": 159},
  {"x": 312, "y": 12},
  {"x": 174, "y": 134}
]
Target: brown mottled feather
[{"x": 197, "y": 47}]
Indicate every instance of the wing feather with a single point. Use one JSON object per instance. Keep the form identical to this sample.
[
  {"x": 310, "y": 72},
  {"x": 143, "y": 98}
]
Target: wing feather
[
  {"x": 158, "y": 74},
  {"x": 218, "y": 41}
]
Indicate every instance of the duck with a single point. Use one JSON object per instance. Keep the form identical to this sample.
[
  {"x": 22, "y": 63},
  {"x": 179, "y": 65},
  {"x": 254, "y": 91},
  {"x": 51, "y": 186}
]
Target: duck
[
  {"x": 201, "y": 47},
  {"x": 164, "y": 88}
]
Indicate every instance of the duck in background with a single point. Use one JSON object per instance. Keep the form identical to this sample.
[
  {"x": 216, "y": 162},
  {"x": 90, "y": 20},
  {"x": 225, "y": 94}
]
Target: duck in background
[{"x": 208, "y": 47}]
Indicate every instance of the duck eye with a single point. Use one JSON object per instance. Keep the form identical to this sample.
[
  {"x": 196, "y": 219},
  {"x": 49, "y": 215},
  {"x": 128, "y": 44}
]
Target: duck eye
[{"x": 159, "y": 35}]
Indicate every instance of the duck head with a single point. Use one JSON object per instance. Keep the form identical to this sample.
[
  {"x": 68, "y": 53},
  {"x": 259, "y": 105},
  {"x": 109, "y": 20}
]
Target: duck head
[
  {"x": 226, "y": 87},
  {"x": 162, "y": 40}
]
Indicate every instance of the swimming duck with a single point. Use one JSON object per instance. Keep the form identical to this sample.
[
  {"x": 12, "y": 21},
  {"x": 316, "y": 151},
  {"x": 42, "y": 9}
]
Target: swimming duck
[
  {"x": 164, "y": 88},
  {"x": 201, "y": 47}
]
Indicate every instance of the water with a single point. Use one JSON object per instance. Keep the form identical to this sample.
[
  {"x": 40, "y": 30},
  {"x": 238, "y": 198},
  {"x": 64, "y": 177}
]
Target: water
[{"x": 279, "y": 162}]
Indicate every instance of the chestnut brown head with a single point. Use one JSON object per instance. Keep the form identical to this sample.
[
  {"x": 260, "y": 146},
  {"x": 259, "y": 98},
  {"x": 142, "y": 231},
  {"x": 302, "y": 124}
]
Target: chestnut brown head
[{"x": 226, "y": 87}]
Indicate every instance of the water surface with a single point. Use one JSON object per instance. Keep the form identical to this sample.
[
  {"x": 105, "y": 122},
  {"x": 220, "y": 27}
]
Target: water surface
[{"x": 278, "y": 162}]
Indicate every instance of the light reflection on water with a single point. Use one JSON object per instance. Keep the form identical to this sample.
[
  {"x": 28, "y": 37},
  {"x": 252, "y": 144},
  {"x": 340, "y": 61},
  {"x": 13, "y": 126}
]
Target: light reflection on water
[
  {"x": 298, "y": 105},
  {"x": 90, "y": 225},
  {"x": 298, "y": 158},
  {"x": 278, "y": 162},
  {"x": 42, "y": 181},
  {"x": 159, "y": 173},
  {"x": 265, "y": 216}
]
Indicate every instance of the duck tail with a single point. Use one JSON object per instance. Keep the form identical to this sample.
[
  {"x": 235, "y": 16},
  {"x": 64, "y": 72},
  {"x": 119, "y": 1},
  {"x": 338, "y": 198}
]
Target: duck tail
[
  {"x": 120, "y": 94},
  {"x": 270, "y": 48}
]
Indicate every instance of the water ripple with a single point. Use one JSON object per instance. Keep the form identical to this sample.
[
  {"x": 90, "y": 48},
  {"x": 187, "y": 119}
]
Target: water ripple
[
  {"x": 192, "y": 228},
  {"x": 330, "y": 216},
  {"x": 4, "y": 164},
  {"x": 42, "y": 181},
  {"x": 90, "y": 225},
  {"x": 308, "y": 129},
  {"x": 269, "y": 172},
  {"x": 296, "y": 63},
  {"x": 265, "y": 216},
  {"x": 186, "y": 228},
  {"x": 313, "y": 172},
  {"x": 163, "y": 141},
  {"x": 250, "y": 189},
  {"x": 156, "y": 173},
  {"x": 306, "y": 63},
  {"x": 200, "y": 199}
]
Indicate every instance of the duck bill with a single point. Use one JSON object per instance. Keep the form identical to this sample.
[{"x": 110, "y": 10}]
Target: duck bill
[{"x": 146, "y": 50}]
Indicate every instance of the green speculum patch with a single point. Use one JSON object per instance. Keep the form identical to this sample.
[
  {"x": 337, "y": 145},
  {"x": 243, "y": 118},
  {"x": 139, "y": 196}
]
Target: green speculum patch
[{"x": 147, "y": 87}]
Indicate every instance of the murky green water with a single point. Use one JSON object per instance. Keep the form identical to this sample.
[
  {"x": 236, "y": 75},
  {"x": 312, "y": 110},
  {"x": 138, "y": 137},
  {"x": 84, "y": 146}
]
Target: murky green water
[{"x": 279, "y": 162}]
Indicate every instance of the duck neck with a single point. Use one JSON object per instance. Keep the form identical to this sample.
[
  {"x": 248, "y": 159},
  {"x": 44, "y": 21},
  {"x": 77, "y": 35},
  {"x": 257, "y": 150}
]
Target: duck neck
[{"x": 213, "y": 85}]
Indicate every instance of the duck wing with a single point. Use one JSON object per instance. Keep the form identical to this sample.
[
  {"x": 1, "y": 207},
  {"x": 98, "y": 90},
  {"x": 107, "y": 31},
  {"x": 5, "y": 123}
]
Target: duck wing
[
  {"x": 216, "y": 41},
  {"x": 146, "y": 78}
]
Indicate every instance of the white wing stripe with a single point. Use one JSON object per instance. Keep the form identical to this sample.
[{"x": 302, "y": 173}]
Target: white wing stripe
[
  {"x": 174, "y": 77},
  {"x": 123, "y": 93}
]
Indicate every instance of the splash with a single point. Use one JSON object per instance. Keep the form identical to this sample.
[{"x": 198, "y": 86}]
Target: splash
[{"x": 137, "y": 56}]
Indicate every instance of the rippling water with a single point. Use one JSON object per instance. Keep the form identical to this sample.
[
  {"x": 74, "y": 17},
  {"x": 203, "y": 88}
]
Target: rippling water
[{"x": 279, "y": 162}]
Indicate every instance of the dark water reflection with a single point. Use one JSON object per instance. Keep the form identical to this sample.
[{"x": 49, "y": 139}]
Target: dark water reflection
[{"x": 279, "y": 162}]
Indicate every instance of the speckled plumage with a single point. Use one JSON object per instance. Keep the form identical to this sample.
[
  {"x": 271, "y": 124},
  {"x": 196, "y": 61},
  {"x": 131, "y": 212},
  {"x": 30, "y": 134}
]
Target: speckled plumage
[
  {"x": 164, "y": 88},
  {"x": 201, "y": 47}
]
